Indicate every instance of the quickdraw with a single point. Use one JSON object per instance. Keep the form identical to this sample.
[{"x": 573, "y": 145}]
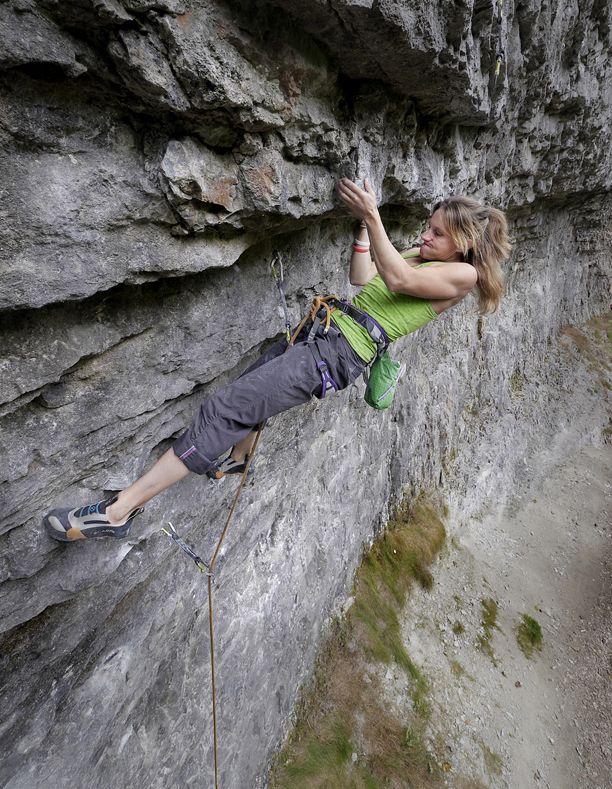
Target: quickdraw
[
  {"x": 276, "y": 258},
  {"x": 499, "y": 57},
  {"x": 200, "y": 564}
]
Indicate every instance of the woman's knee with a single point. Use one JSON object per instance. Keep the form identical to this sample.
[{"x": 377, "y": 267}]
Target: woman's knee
[{"x": 277, "y": 349}]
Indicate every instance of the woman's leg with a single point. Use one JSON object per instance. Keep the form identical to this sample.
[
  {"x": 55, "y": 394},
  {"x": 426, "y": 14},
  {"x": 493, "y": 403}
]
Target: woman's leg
[
  {"x": 243, "y": 447},
  {"x": 113, "y": 517},
  {"x": 226, "y": 419},
  {"x": 282, "y": 382},
  {"x": 168, "y": 470}
]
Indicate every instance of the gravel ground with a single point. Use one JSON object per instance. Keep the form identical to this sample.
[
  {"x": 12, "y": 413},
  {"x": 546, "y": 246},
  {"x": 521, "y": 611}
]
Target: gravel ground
[{"x": 501, "y": 720}]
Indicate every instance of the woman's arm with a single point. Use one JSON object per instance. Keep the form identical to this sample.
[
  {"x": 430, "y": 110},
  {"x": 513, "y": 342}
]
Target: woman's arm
[
  {"x": 440, "y": 281},
  {"x": 362, "y": 268}
]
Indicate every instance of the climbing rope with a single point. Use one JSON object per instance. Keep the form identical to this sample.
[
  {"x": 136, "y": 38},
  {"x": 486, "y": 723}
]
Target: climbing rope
[
  {"x": 317, "y": 303},
  {"x": 499, "y": 57},
  {"x": 200, "y": 564},
  {"x": 210, "y": 606},
  {"x": 207, "y": 570}
]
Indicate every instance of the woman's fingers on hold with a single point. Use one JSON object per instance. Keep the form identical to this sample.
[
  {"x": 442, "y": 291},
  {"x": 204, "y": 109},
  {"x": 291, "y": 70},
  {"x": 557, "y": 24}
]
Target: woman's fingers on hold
[
  {"x": 349, "y": 188},
  {"x": 347, "y": 184},
  {"x": 344, "y": 191},
  {"x": 346, "y": 194}
]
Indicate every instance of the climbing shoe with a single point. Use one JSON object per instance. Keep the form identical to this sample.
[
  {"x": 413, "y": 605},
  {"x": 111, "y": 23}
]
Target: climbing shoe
[
  {"x": 87, "y": 523},
  {"x": 229, "y": 466}
]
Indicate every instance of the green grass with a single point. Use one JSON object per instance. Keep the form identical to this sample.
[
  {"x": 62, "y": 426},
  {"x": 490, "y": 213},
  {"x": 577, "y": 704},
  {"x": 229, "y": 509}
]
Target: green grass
[
  {"x": 344, "y": 712},
  {"x": 492, "y": 760},
  {"x": 400, "y": 558},
  {"x": 458, "y": 671},
  {"x": 529, "y": 636},
  {"x": 329, "y": 755}
]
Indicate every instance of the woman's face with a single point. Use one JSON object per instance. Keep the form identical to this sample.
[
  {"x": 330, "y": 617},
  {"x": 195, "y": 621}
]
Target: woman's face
[{"x": 437, "y": 243}]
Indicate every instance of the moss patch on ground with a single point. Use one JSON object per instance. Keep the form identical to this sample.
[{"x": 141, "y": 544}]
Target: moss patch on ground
[
  {"x": 488, "y": 624},
  {"x": 345, "y": 736},
  {"x": 529, "y": 636}
]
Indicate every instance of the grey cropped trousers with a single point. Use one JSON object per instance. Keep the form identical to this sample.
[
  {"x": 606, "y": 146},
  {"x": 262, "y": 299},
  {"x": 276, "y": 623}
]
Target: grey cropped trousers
[{"x": 276, "y": 382}]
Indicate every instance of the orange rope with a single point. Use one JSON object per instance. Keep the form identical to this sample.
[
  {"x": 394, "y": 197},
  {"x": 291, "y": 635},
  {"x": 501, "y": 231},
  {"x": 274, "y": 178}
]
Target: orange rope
[
  {"x": 210, "y": 609},
  {"x": 317, "y": 303}
]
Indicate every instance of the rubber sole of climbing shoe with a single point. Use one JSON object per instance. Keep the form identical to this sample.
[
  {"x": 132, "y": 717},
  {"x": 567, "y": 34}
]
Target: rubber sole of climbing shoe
[{"x": 86, "y": 523}]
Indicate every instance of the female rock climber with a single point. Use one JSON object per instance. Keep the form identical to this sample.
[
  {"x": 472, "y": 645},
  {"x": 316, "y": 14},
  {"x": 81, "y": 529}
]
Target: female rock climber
[{"x": 461, "y": 250}]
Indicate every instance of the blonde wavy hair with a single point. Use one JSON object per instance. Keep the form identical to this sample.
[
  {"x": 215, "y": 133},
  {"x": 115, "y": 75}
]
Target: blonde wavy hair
[{"x": 481, "y": 233}]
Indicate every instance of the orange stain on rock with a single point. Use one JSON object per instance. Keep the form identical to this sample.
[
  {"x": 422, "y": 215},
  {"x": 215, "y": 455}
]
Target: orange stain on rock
[{"x": 263, "y": 179}]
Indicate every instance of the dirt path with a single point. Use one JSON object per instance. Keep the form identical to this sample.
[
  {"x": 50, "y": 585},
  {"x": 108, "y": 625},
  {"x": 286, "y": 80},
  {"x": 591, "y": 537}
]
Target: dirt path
[{"x": 497, "y": 717}]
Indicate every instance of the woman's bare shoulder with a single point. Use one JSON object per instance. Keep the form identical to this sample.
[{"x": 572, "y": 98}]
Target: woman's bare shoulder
[{"x": 457, "y": 271}]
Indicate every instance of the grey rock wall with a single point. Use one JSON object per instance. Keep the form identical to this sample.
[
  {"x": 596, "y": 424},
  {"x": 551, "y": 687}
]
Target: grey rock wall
[{"x": 153, "y": 154}]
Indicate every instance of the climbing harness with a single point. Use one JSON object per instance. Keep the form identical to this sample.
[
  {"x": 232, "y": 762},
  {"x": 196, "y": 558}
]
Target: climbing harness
[
  {"x": 319, "y": 305},
  {"x": 374, "y": 329},
  {"x": 207, "y": 570},
  {"x": 320, "y": 314},
  {"x": 384, "y": 374},
  {"x": 499, "y": 57},
  {"x": 276, "y": 258}
]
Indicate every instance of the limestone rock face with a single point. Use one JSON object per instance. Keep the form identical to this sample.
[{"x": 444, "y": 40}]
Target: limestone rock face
[{"x": 154, "y": 154}]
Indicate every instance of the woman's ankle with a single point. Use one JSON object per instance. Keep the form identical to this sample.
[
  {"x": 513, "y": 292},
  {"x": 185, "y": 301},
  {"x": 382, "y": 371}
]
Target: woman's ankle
[{"x": 118, "y": 512}]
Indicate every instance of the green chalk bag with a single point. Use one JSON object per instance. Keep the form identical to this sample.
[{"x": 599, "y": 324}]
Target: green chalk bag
[{"x": 382, "y": 381}]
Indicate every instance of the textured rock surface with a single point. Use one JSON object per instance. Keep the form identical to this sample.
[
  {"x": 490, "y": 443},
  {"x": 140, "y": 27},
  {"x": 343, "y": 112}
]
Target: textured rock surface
[{"x": 153, "y": 154}]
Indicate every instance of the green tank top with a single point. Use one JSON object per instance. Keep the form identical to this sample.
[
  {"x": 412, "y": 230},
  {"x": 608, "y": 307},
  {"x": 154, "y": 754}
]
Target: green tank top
[{"x": 397, "y": 313}]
